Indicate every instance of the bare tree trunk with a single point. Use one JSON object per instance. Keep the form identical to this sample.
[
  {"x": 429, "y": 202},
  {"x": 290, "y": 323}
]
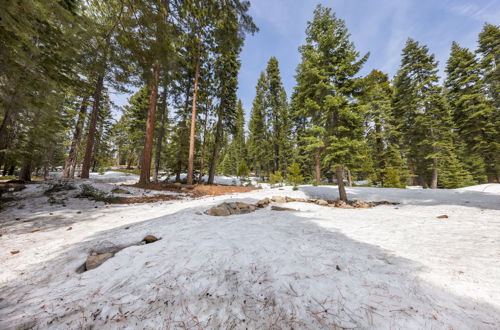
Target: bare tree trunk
[
  {"x": 73, "y": 168},
  {"x": 340, "y": 182},
  {"x": 25, "y": 173},
  {"x": 317, "y": 165},
  {"x": 349, "y": 178},
  {"x": 193, "y": 121},
  {"x": 75, "y": 144},
  {"x": 150, "y": 127},
  {"x": 161, "y": 135},
  {"x": 215, "y": 151},
  {"x": 202, "y": 165},
  {"x": 87, "y": 160},
  {"x": 434, "y": 180},
  {"x": 380, "y": 152}
]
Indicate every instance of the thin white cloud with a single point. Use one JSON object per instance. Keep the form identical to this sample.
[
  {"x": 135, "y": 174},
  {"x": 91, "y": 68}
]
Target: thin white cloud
[{"x": 488, "y": 13}]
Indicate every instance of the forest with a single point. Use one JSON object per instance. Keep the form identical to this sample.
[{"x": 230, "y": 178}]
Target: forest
[{"x": 61, "y": 60}]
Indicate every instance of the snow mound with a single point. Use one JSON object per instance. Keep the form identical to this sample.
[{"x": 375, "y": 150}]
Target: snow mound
[{"x": 492, "y": 188}]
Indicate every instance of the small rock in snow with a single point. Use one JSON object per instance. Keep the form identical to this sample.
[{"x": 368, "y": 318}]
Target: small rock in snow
[
  {"x": 322, "y": 202},
  {"x": 278, "y": 199},
  {"x": 279, "y": 208},
  {"x": 263, "y": 203},
  {"x": 444, "y": 216},
  {"x": 226, "y": 209},
  {"x": 94, "y": 261},
  {"x": 120, "y": 191},
  {"x": 149, "y": 239}
]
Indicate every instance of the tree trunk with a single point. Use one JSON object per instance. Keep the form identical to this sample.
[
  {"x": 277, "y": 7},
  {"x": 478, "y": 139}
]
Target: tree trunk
[
  {"x": 87, "y": 160},
  {"x": 161, "y": 135},
  {"x": 340, "y": 182},
  {"x": 150, "y": 127},
  {"x": 349, "y": 178},
  {"x": 7, "y": 121},
  {"x": 317, "y": 165},
  {"x": 380, "y": 152},
  {"x": 215, "y": 151},
  {"x": 202, "y": 165},
  {"x": 25, "y": 173},
  {"x": 75, "y": 144},
  {"x": 193, "y": 121},
  {"x": 434, "y": 179}
]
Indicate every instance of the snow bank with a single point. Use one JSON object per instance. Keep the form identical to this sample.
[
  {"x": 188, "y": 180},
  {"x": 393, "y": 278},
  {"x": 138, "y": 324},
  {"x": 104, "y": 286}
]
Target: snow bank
[
  {"x": 317, "y": 268},
  {"x": 492, "y": 188}
]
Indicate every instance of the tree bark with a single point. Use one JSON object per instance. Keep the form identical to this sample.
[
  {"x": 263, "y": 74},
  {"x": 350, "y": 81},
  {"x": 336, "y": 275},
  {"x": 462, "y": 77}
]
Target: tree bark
[
  {"x": 25, "y": 173},
  {"x": 434, "y": 179},
  {"x": 150, "y": 127},
  {"x": 349, "y": 178},
  {"x": 193, "y": 121},
  {"x": 75, "y": 144},
  {"x": 215, "y": 151},
  {"x": 317, "y": 165},
  {"x": 340, "y": 182},
  {"x": 161, "y": 135},
  {"x": 202, "y": 165},
  {"x": 380, "y": 152},
  {"x": 7, "y": 121},
  {"x": 87, "y": 160}
]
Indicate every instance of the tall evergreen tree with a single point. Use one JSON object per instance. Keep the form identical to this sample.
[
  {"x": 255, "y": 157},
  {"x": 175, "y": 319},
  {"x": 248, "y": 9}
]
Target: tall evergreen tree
[
  {"x": 472, "y": 111},
  {"x": 489, "y": 50},
  {"x": 277, "y": 115},
  {"x": 422, "y": 115},
  {"x": 325, "y": 93},
  {"x": 258, "y": 142},
  {"x": 382, "y": 138}
]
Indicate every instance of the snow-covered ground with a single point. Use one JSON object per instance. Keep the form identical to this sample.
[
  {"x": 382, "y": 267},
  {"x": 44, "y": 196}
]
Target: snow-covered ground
[{"x": 389, "y": 267}]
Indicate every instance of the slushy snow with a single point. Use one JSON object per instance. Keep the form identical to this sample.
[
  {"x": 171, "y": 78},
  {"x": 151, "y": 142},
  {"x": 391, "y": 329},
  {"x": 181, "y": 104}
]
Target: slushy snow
[{"x": 388, "y": 267}]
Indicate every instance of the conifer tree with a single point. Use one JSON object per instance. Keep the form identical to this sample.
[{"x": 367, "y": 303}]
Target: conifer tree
[
  {"x": 382, "y": 138},
  {"x": 489, "y": 50},
  {"x": 472, "y": 111},
  {"x": 258, "y": 142},
  {"x": 325, "y": 93},
  {"x": 277, "y": 115},
  {"x": 422, "y": 115}
]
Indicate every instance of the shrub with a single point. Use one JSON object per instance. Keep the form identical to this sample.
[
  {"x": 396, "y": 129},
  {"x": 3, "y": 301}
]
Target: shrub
[
  {"x": 276, "y": 179},
  {"x": 243, "y": 170},
  {"x": 92, "y": 193},
  {"x": 295, "y": 176}
]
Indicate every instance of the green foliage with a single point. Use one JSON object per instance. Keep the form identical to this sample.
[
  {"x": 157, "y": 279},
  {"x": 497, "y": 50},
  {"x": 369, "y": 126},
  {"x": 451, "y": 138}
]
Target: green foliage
[
  {"x": 243, "y": 170},
  {"x": 294, "y": 174},
  {"x": 323, "y": 100},
  {"x": 90, "y": 192},
  {"x": 276, "y": 179},
  {"x": 473, "y": 110}
]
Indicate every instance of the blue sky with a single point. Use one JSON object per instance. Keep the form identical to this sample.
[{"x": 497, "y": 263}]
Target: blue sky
[{"x": 380, "y": 27}]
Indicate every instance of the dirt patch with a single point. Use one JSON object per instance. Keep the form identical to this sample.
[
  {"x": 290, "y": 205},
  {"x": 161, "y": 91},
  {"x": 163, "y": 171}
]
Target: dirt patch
[{"x": 196, "y": 190}]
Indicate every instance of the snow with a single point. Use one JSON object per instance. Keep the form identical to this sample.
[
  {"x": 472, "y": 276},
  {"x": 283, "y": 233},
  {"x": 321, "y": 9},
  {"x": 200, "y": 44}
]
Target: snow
[
  {"x": 317, "y": 268},
  {"x": 222, "y": 180}
]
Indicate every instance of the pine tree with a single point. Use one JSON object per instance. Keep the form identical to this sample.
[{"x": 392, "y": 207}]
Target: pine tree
[
  {"x": 472, "y": 111},
  {"x": 489, "y": 50},
  {"x": 375, "y": 98},
  {"x": 294, "y": 174},
  {"x": 325, "y": 93},
  {"x": 258, "y": 142},
  {"x": 422, "y": 115},
  {"x": 277, "y": 115}
]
